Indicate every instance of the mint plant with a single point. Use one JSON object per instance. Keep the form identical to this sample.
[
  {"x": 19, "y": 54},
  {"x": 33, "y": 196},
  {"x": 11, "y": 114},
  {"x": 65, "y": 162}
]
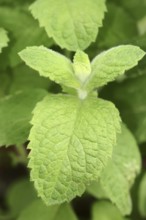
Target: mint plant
[
  {"x": 72, "y": 108},
  {"x": 70, "y": 124}
]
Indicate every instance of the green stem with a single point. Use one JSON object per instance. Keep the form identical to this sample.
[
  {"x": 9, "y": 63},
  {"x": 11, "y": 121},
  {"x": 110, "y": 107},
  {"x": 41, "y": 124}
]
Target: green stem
[{"x": 22, "y": 154}]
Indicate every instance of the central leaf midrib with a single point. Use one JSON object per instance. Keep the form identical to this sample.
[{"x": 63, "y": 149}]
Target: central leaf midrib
[
  {"x": 72, "y": 21},
  {"x": 74, "y": 125}
]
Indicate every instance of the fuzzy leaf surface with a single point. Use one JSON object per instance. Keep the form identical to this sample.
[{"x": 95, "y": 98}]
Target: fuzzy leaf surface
[
  {"x": 75, "y": 23},
  {"x": 61, "y": 161},
  {"x": 120, "y": 173},
  {"x": 82, "y": 66},
  {"x": 112, "y": 63},
  {"x": 50, "y": 64}
]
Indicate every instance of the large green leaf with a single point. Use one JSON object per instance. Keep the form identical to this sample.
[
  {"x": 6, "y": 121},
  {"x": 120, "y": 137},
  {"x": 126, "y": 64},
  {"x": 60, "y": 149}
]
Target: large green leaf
[
  {"x": 72, "y": 24},
  {"x": 71, "y": 141},
  {"x": 15, "y": 114},
  {"x": 119, "y": 175}
]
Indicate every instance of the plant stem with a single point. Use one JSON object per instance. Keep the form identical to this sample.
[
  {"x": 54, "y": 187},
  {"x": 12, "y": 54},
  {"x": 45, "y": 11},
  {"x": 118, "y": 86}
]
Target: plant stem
[{"x": 22, "y": 154}]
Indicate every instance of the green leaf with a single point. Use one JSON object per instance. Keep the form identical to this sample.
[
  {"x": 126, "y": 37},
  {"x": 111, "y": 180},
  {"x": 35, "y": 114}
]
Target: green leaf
[
  {"x": 142, "y": 196},
  {"x": 96, "y": 190},
  {"x": 15, "y": 114},
  {"x": 24, "y": 31},
  {"x": 126, "y": 156},
  {"x": 105, "y": 211},
  {"x": 120, "y": 173},
  {"x": 50, "y": 64},
  {"x": 3, "y": 39},
  {"x": 37, "y": 210},
  {"x": 75, "y": 23},
  {"x": 82, "y": 66},
  {"x": 116, "y": 188},
  {"x": 133, "y": 111},
  {"x": 105, "y": 67},
  {"x": 19, "y": 196},
  {"x": 113, "y": 63},
  {"x": 115, "y": 30},
  {"x": 26, "y": 78},
  {"x": 71, "y": 141}
]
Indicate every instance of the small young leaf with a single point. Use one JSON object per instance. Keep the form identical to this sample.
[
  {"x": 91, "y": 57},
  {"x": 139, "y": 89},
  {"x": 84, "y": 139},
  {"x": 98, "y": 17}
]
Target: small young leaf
[
  {"x": 119, "y": 175},
  {"x": 71, "y": 141},
  {"x": 50, "y": 64},
  {"x": 113, "y": 63},
  {"x": 105, "y": 211},
  {"x": 15, "y": 114},
  {"x": 82, "y": 66},
  {"x": 37, "y": 210},
  {"x": 3, "y": 39},
  {"x": 75, "y": 23}
]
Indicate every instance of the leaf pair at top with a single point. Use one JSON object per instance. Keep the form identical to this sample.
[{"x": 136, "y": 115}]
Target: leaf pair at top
[
  {"x": 72, "y": 139},
  {"x": 81, "y": 74}
]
